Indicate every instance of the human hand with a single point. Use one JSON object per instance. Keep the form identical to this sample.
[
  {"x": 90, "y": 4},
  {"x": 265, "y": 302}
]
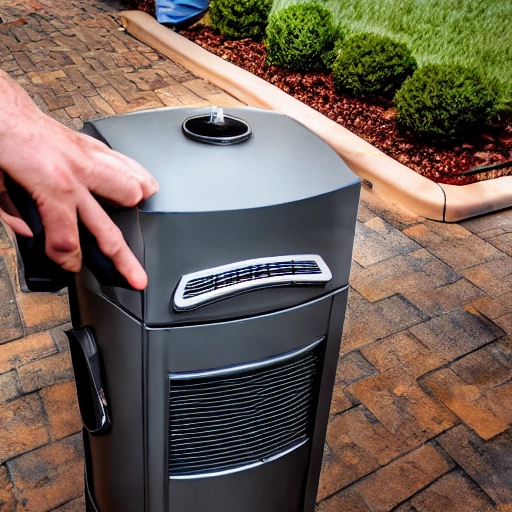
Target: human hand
[{"x": 61, "y": 169}]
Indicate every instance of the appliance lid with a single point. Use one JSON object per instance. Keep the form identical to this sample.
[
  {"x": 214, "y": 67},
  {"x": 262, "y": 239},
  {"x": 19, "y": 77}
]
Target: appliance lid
[{"x": 281, "y": 161}]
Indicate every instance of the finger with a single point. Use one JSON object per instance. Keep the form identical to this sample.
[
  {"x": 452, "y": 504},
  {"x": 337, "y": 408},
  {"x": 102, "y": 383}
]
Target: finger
[
  {"x": 138, "y": 171},
  {"x": 10, "y": 214},
  {"x": 114, "y": 180},
  {"x": 19, "y": 226},
  {"x": 111, "y": 242},
  {"x": 110, "y": 179},
  {"x": 59, "y": 220},
  {"x": 147, "y": 182},
  {"x": 117, "y": 162}
]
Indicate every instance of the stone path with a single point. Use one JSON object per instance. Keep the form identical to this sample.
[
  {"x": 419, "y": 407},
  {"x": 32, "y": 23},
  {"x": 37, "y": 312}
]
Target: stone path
[{"x": 422, "y": 408}]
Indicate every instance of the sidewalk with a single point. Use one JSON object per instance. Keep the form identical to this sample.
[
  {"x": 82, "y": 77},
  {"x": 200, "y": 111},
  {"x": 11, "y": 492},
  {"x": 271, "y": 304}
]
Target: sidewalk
[{"x": 422, "y": 408}]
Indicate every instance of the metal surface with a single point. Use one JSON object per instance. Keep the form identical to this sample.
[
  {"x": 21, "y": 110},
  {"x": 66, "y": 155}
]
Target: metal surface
[
  {"x": 186, "y": 243},
  {"x": 282, "y": 192},
  {"x": 276, "y": 486},
  {"x": 283, "y": 161},
  {"x": 118, "y": 457},
  {"x": 244, "y": 367}
]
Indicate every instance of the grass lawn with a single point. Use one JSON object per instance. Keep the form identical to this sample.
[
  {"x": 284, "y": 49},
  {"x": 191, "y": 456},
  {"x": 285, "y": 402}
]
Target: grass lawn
[{"x": 469, "y": 32}]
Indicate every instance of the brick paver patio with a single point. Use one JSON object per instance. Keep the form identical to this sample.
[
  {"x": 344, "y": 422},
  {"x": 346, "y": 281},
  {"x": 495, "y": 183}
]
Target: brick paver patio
[{"x": 422, "y": 408}]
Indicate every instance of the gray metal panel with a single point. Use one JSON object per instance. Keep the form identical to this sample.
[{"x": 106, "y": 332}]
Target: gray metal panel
[
  {"x": 212, "y": 346},
  {"x": 202, "y": 347},
  {"x": 185, "y": 243},
  {"x": 118, "y": 461},
  {"x": 281, "y": 163},
  {"x": 332, "y": 351},
  {"x": 276, "y": 486}
]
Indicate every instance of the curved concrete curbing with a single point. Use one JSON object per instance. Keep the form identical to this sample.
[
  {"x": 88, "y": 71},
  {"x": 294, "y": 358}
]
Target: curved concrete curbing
[{"x": 388, "y": 178}]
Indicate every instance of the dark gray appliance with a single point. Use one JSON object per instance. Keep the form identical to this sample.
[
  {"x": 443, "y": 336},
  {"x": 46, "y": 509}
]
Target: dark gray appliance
[{"x": 210, "y": 390}]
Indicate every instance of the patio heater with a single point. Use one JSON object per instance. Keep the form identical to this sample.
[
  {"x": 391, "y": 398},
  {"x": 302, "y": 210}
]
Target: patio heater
[{"x": 210, "y": 390}]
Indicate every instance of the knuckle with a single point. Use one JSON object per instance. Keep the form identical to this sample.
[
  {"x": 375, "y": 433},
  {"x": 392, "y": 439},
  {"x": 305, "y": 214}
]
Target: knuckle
[
  {"x": 64, "y": 245},
  {"x": 65, "y": 186},
  {"x": 68, "y": 260},
  {"x": 150, "y": 186},
  {"x": 60, "y": 184},
  {"x": 112, "y": 242}
]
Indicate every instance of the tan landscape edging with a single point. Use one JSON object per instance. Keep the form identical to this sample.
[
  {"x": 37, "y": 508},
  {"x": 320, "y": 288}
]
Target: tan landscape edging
[{"x": 388, "y": 178}]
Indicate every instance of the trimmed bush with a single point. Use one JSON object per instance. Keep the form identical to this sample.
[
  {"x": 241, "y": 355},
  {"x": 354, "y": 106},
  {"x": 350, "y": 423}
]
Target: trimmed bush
[
  {"x": 329, "y": 57},
  {"x": 240, "y": 18},
  {"x": 299, "y": 36},
  {"x": 446, "y": 101},
  {"x": 370, "y": 64}
]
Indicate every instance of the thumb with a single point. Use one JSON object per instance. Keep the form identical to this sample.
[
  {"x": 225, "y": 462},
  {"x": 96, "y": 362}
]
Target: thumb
[{"x": 19, "y": 226}]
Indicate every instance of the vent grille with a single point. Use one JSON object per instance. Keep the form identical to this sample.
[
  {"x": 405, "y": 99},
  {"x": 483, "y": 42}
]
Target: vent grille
[
  {"x": 213, "y": 284},
  {"x": 250, "y": 273},
  {"x": 242, "y": 418}
]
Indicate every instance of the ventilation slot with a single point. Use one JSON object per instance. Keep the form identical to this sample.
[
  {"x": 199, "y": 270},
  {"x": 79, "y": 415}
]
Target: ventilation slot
[
  {"x": 253, "y": 273},
  {"x": 214, "y": 284},
  {"x": 243, "y": 416}
]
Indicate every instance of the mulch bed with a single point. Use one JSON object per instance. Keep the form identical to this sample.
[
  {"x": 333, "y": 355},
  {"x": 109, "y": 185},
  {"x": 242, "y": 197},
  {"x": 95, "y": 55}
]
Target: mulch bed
[{"x": 374, "y": 119}]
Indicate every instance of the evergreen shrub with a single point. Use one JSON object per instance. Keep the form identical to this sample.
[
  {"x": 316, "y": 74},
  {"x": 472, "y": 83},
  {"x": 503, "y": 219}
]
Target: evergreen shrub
[
  {"x": 446, "y": 101},
  {"x": 300, "y": 36},
  {"x": 372, "y": 64},
  {"x": 240, "y": 18}
]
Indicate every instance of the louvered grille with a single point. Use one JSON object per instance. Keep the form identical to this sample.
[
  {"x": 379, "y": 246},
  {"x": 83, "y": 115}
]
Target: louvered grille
[
  {"x": 209, "y": 285},
  {"x": 221, "y": 280},
  {"x": 241, "y": 418}
]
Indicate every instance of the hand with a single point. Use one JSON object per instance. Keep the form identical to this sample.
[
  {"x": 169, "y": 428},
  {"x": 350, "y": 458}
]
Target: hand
[{"x": 61, "y": 169}]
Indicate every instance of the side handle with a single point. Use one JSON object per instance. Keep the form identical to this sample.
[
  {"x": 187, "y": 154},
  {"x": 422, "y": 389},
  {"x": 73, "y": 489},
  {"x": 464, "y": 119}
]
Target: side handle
[{"x": 87, "y": 365}]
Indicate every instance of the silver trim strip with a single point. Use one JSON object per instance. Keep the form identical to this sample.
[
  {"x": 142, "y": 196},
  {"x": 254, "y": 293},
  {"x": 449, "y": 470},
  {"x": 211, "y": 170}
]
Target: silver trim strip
[
  {"x": 181, "y": 303},
  {"x": 228, "y": 370},
  {"x": 242, "y": 468}
]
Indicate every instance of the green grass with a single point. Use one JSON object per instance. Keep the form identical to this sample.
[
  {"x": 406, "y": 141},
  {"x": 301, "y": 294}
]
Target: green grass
[{"x": 473, "y": 33}]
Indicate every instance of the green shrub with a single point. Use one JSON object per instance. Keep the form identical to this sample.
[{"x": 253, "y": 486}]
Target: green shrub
[
  {"x": 446, "y": 101},
  {"x": 372, "y": 64},
  {"x": 299, "y": 36},
  {"x": 240, "y": 18},
  {"x": 329, "y": 56}
]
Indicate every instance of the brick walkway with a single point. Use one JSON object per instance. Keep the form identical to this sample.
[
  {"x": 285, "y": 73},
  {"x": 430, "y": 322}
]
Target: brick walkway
[{"x": 422, "y": 408}]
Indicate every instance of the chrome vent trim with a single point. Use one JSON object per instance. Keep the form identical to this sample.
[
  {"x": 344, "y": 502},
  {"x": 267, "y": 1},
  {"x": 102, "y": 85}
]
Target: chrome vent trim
[
  {"x": 239, "y": 417},
  {"x": 206, "y": 286},
  {"x": 240, "y": 368},
  {"x": 241, "y": 468}
]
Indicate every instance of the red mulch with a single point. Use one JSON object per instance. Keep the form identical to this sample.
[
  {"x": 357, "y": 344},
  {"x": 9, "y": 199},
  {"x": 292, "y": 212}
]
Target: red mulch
[
  {"x": 141, "y": 5},
  {"x": 374, "y": 119}
]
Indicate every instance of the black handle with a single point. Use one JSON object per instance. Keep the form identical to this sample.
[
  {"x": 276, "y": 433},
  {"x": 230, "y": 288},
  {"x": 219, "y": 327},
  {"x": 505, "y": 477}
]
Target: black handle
[
  {"x": 40, "y": 272},
  {"x": 90, "y": 388}
]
